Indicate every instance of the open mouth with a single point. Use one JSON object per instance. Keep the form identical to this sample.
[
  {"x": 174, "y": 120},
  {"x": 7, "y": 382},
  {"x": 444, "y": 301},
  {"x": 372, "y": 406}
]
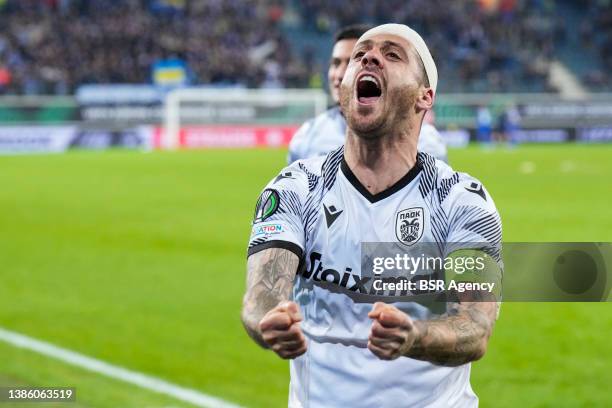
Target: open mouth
[{"x": 368, "y": 89}]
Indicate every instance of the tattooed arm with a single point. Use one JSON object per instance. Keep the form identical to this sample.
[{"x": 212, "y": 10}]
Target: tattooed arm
[
  {"x": 457, "y": 337},
  {"x": 267, "y": 314}
]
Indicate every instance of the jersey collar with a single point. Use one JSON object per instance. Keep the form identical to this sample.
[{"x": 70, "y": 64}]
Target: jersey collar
[{"x": 373, "y": 198}]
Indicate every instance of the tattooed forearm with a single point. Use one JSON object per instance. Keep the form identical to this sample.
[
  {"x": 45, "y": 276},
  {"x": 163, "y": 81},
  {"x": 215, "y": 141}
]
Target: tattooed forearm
[
  {"x": 270, "y": 275},
  {"x": 458, "y": 337}
]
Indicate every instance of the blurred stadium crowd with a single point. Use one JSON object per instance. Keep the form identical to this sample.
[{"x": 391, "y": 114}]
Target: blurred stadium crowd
[{"x": 52, "y": 46}]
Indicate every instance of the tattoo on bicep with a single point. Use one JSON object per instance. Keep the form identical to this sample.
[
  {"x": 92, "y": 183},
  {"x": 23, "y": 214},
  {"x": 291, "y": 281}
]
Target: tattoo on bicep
[{"x": 270, "y": 275}]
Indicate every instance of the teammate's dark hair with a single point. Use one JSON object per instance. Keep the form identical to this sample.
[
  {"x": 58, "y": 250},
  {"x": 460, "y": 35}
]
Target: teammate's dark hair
[{"x": 351, "y": 32}]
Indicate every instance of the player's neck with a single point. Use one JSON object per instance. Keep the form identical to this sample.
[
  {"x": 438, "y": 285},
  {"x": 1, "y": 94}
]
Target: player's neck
[{"x": 380, "y": 163}]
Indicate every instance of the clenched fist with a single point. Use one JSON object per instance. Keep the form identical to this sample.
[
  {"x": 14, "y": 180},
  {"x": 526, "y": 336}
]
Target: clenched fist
[
  {"x": 280, "y": 329},
  {"x": 393, "y": 332}
]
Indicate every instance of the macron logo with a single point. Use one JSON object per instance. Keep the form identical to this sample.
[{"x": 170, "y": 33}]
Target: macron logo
[
  {"x": 331, "y": 214},
  {"x": 281, "y": 176},
  {"x": 476, "y": 188}
]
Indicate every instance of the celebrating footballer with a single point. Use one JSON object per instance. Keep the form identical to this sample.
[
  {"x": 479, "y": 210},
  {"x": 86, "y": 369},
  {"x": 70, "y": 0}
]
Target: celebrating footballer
[{"x": 307, "y": 299}]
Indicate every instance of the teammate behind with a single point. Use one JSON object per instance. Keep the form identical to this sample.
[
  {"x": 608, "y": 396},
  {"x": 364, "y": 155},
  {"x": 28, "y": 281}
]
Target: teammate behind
[
  {"x": 326, "y": 132},
  {"x": 308, "y": 298}
]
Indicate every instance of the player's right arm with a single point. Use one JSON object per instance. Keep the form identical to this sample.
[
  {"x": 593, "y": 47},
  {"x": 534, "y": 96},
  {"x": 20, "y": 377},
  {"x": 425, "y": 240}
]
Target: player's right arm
[
  {"x": 267, "y": 314},
  {"x": 275, "y": 249}
]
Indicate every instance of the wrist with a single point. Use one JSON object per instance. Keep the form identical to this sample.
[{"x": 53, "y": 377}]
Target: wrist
[{"x": 419, "y": 330}]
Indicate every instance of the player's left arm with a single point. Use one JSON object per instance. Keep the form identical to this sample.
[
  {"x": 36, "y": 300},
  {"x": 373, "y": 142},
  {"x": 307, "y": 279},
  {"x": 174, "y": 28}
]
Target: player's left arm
[
  {"x": 461, "y": 335},
  {"x": 455, "y": 338}
]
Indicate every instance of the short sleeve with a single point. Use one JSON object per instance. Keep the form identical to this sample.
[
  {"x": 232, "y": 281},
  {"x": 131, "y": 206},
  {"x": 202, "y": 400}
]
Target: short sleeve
[
  {"x": 474, "y": 222},
  {"x": 277, "y": 222}
]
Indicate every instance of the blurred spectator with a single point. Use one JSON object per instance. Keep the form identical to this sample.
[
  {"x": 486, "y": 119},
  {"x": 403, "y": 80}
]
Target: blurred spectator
[
  {"x": 55, "y": 45},
  {"x": 509, "y": 125},
  {"x": 52, "y": 46},
  {"x": 484, "y": 123},
  {"x": 5, "y": 77},
  {"x": 596, "y": 32},
  {"x": 479, "y": 45}
]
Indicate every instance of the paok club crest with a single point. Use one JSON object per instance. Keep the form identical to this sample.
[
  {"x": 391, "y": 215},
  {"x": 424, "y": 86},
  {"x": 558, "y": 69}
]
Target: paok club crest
[{"x": 409, "y": 225}]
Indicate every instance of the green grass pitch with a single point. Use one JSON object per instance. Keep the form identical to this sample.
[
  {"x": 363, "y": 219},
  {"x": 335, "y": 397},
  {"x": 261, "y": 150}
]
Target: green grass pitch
[{"x": 138, "y": 259}]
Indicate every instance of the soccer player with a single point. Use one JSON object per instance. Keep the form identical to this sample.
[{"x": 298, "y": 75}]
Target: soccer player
[
  {"x": 430, "y": 140},
  {"x": 308, "y": 298},
  {"x": 326, "y": 132}
]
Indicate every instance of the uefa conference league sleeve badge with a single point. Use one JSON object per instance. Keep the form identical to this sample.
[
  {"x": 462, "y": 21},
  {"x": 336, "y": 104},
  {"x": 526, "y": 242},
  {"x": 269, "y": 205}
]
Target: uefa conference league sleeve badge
[{"x": 267, "y": 204}]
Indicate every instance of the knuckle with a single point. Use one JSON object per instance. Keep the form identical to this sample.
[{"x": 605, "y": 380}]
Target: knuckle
[
  {"x": 407, "y": 324},
  {"x": 382, "y": 333},
  {"x": 296, "y": 353},
  {"x": 283, "y": 317},
  {"x": 400, "y": 336},
  {"x": 294, "y": 338},
  {"x": 263, "y": 325}
]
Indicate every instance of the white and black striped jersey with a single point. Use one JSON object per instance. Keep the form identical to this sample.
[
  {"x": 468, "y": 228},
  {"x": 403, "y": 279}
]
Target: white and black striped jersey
[
  {"x": 319, "y": 210},
  {"x": 318, "y": 136},
  {"x": 327, "y": 132}
]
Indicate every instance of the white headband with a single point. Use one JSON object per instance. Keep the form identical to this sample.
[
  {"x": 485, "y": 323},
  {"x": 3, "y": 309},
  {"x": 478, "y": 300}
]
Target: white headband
[{"x": 413, "y": 38}]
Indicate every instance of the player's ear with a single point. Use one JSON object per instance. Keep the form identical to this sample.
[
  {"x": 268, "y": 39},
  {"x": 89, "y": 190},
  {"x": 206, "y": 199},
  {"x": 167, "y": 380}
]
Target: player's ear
[{"x": 426, "y": 99}]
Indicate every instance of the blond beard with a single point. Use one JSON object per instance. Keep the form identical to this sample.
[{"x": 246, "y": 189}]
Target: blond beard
[{"x": 390, "y": 122}]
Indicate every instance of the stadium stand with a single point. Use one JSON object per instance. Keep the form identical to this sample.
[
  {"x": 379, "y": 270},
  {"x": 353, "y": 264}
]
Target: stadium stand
[
  {"x": 477, "y": 47},
  {"x": 52, "y": 46},
  {"x": 595, "y": 31}
]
